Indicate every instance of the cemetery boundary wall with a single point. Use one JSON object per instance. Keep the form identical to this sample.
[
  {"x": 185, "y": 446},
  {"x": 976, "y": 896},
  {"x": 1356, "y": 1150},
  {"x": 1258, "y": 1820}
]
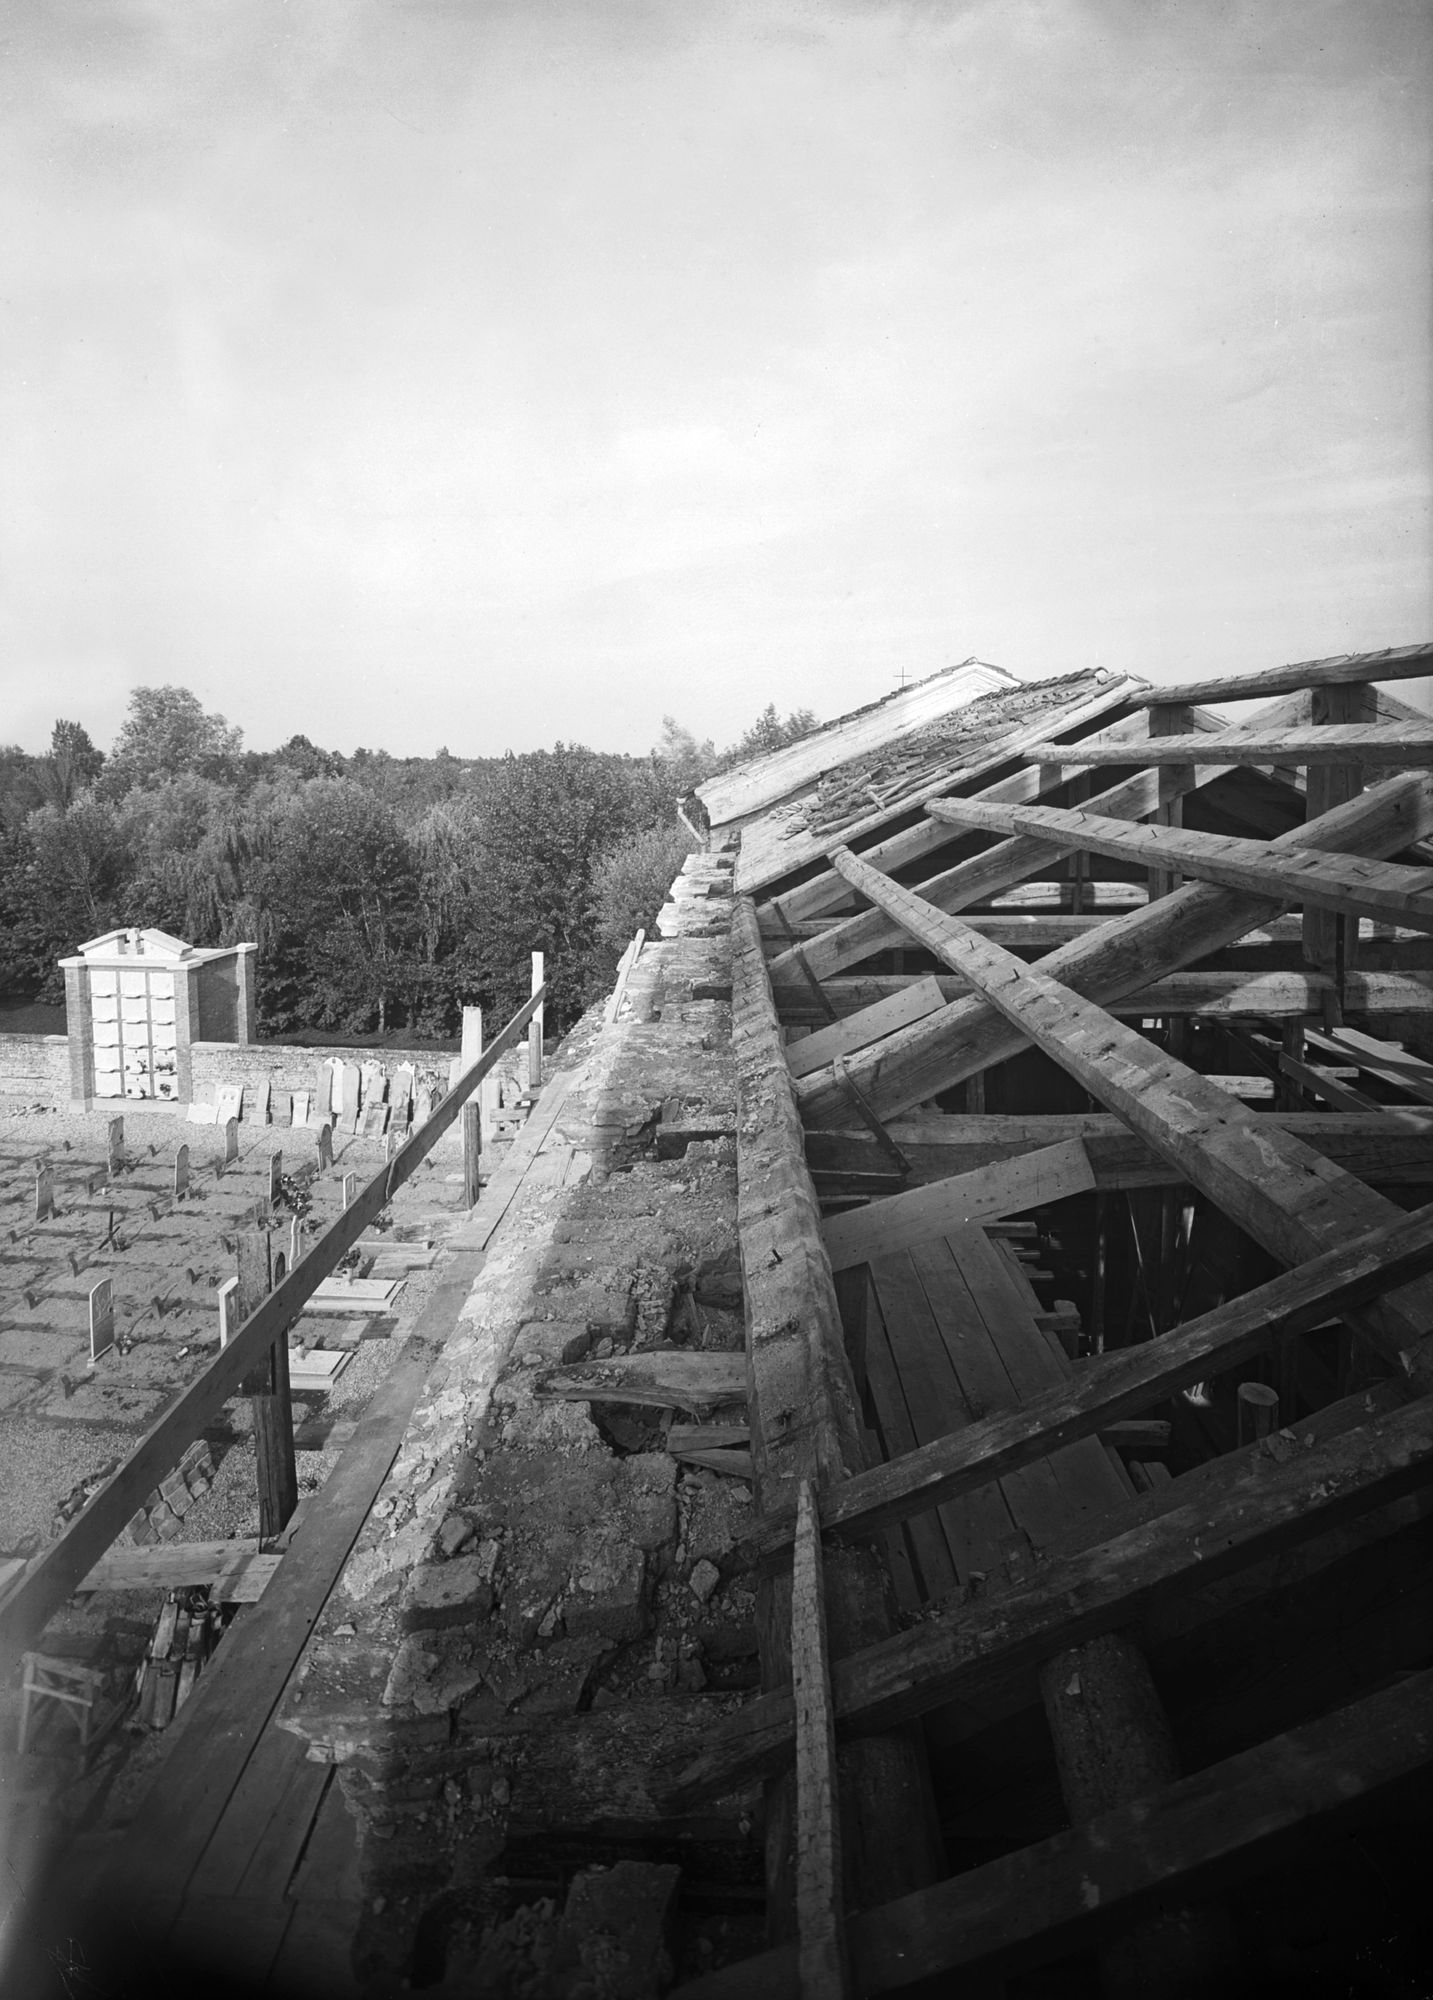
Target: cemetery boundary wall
[{"x": 38, "y": 1066}]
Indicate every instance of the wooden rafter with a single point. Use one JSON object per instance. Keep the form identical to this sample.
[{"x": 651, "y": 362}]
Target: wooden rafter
[
  {"x": 1287, "y": 1197},
  {"x": 1348, "y": 884},
  {"x": 1211, "y": 994},
  {"x": 1118, "y": 958},
  {"x": 1393, "y": 663},
  {"x": 1395, "y": 746},
  {"x": 1269, "y": 1501}
]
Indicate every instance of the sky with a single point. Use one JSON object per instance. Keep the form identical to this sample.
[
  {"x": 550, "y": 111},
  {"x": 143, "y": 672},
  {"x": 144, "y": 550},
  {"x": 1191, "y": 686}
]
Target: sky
[{"x": 412, "y": 373}]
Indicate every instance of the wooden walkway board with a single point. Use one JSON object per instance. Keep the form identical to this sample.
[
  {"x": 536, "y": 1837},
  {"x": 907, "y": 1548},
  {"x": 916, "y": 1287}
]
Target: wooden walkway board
[{"x": 953, "y": 1342}]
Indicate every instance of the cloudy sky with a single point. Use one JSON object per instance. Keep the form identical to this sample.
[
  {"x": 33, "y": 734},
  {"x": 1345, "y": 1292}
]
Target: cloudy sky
[{"x": 419, "y": 372}]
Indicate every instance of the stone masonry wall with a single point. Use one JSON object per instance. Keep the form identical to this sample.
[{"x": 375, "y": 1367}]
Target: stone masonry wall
[{"x": 544, "y": 1602}]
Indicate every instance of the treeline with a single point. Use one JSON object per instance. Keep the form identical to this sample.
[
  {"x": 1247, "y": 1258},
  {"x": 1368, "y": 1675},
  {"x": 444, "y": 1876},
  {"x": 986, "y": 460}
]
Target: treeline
[{"x": 384, "y": 893}]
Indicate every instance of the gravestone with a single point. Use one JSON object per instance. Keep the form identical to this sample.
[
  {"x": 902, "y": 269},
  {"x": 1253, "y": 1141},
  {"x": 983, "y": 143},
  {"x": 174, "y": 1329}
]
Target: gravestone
[
  {"x": 323, "y": 1079},
  {"x": 261, "y": 1092},
  {"x": 181, "y": 1172},
  {"x": 423, "y": 1106},
  {"x": 231, "y": 1141},
  {"x": 350, "y": 1189},
  {"x": 281, "y": 1107},
  {"x": 101, "y": 1318},
  {"x": 325, "y": 1144},
  {"x": 375, "y": 1121},
  {"x": 400, "y": 1093},
  {"x": 228, "y": 1311},
  {"x": 296, "y": 1240},
  {"x": 228, "y": 1103},
  {"x": 44, "y": 1192},
  {"x": 301, "y": 1101},
  {"x": 352, "y": 1080},
  {"x": 276, "y": 1178},
  {"x": 116, "y": 1145},
  {"x": 373, "y": 1084}
]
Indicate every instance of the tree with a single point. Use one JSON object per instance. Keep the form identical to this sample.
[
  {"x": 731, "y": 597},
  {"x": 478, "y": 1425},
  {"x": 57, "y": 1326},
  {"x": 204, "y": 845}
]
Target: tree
[
  {"x": 629, "y": 885},
  {"x": 166, "y": 732},
  {"x": 769, "y": 733}
]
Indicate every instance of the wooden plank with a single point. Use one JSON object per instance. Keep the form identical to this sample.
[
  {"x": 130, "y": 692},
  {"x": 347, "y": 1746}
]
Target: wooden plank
[
  {"x": 1288, "y": 1198},
  {"x": 823, "y": 1973},
  {"x": 1323, "y": 1083},
  {"x": 497, "y": 1197},
  {"x": 978, "y": 1527},
  {"x": 806, "y": 1424},
  {"x": 1006, "y": 1188},
  {"x": 244, "y": 1823},
  {"x": 705, "y": 1437},
  {"x": 926, "y": 1532},
  {"x": 1270, "y": 1502},
  {"x": 1393, "y": 663},
  {"x": 1398, "y": 746},
  {"x": 967, "y": 1036},
  {"x": 679, "y": 1379},
  {"x": 858, "y": 1031},
  {"x": 1381, "y": 1059},
  {"x": 56, "y": 1572},
  {"x": 1069, "y": 1892},
  {"x": 236, "y": 1571},
  {"x": 1123, "y": 1383},
  {"x": 1347, "y": 884}
]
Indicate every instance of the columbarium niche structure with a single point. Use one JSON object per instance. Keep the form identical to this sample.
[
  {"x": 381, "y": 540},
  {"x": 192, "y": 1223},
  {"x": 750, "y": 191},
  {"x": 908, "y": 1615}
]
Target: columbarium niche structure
[{"x": 137, "y": 999}]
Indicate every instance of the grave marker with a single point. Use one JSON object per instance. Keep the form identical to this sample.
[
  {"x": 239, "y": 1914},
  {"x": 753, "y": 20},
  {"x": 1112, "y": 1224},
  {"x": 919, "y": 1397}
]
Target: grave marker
[
  {"x": 349, "y": 1090},
  {"x": 400, "y": 1093},
  {"x": 229, "y": 1103},
  {"x": 101, "y": 1317},
  {"x": 262, "y": 1090},
  {"x": 350, "y": 1188},
  {"x": 231, "y": 1141},
  {"x": 296, "y": 1240},
  {"x": 116, "y": 1145},
  {"x": 228, "y": 1311},
  {"x": 276, "y": 1178},
  {"x": 373, "y": 1084},
  {"x": 325, "y": 1144},
  {"x": 181, "y": 1173},
  {"x": 301, "y": 1101},
  {"x": 423, "y": 1107},
  {"x": 44, "y": 1191}
]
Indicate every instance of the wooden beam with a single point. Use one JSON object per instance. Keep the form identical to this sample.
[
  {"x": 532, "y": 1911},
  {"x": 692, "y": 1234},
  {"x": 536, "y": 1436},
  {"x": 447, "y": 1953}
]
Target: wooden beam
[
  {"x": 1348, "y": 884},
  {"x": 1394, "y": 663},
  {"x": 1398, "y": 746},
  {"x": 1287, "y": 1197},
  {"x": 1271, "y": 1501},
  {"x": 1121, "y": 957},
  {"x": 916, "y": 999},
  {"x": 1004, "y": 1189},
  {"x": 1215, "y": 995},
  {"x": 679, "y": 1379},
  {"x": 1124, "y": 1383},
  {"x": 806, "y": 1425},
  {"x": 1330, "y": 939},
  {"x": 821, "y": 1926},
  {"x": 53, "y": 1574},
  {"x": 1077, "y": 1888}
]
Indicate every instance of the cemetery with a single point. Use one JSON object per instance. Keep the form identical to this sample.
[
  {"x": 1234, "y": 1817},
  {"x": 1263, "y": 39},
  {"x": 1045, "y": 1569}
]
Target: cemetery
[{"x": 895, "y": 1455}]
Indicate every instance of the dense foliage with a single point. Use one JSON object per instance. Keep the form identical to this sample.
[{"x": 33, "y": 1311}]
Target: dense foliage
[{"x": 384, "y": 893}]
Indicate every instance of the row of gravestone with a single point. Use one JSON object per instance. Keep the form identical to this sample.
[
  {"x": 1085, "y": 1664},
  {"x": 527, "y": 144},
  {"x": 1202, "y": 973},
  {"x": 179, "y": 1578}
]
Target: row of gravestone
[{"x": 354, "y": 1097}]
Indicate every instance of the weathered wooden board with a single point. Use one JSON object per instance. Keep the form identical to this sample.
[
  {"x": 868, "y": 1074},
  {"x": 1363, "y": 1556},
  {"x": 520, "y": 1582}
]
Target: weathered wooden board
[
  {"x": 858, "y": 1031},
  {"x": 1393, "y": 745},
  {"x": 1392, "y": 663},
  {"x": 677, "y": 1380},
  {"x": 1006, "y": 1188},
  {"x": 236, "y": 1572}
]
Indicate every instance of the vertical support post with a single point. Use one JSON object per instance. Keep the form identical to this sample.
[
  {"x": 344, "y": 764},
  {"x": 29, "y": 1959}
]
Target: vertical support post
[
  {"x": 79, "y": 1034},
  {"x": 823, "y": 1970},
  {"x": 267, "y": 1389},
  {"x": 1102, "y": 1258},
  {"x": 472, "y": 1152},
  {"x": 1330, "y": 942},
  {"x": 535, "y": 1030}
]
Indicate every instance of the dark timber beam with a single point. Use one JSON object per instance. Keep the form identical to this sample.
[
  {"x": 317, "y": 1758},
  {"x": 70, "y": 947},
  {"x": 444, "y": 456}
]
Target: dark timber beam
[
  {"x": 960, "y": 1650},
  {"x": 1393, "y": 663},
  {"x": 1283, "y": 1194},
  {"x": 806, "y": 1426},
  {"x": 1217, "y": 995},
  {"x": 1078, "y": 1888},
  {"x": 1394, "y": 745},
  {"x": 1347, "y": 884},
  {"x": 1119, "y": 958}
]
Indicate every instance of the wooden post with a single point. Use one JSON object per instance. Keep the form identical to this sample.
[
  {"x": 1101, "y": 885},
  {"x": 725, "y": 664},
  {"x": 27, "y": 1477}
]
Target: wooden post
[
  {"x": 1330, "y": 942},
  {"x": 823, "y": 1970},
  {"x": 267, "y": 1389},
  {"x": 472, "y": 1151},
  {"x": 1113, "y": 1743},
  {"x": 535, "y": 1030}
]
